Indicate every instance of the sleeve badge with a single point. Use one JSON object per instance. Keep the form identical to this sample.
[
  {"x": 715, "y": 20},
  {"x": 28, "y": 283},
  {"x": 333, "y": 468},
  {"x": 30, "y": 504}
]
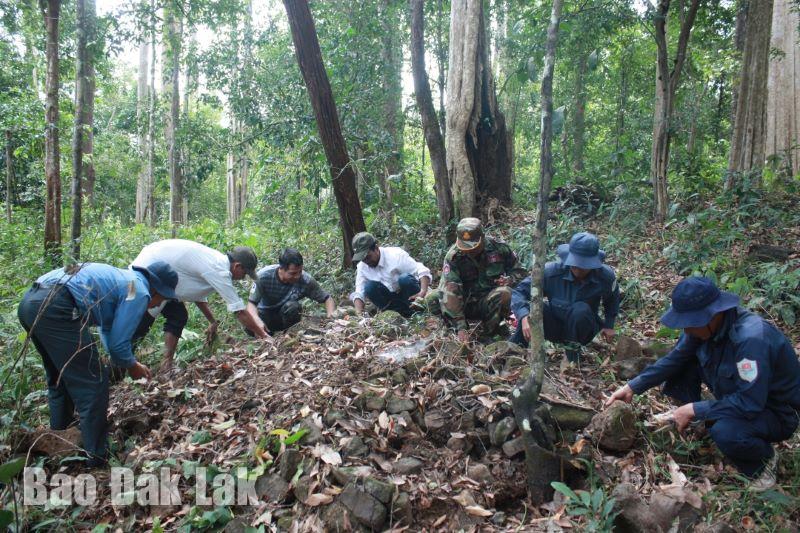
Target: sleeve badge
[{"x": 748, "y": 370}]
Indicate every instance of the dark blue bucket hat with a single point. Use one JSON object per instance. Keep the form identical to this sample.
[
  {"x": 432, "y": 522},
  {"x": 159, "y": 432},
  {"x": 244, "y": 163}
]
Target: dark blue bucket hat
[
  {"x": 163, "y": 279},
  {"x": 695, "y": 301},
  {"x": 583, "y": 251}
]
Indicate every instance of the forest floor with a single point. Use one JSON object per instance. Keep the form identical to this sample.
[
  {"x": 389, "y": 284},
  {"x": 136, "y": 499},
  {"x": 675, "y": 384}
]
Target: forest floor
[{"x": 383, "y": 423}]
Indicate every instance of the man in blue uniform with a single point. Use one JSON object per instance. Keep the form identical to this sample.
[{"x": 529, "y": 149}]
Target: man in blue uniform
[
  {"x": 749, "y": 365},
  {"x": 57, "y": 312},
  {"x": 574, "y": 287}
]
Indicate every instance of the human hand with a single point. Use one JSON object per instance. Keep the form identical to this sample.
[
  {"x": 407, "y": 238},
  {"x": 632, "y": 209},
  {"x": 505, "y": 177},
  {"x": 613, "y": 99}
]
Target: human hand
[
  {"x": 608, "y": 334},
  {"x": 503, "y": 281},
  {"x": 526, "y": 329},
  {"x": 623, "y": 393},
  {"x": 420, "y": 295},
  {"x": 139, "y": 371},
  {"x": 682, "y": 416},
  {"x": 211, "y": 332},
  {"x": 463, "y": 336}
]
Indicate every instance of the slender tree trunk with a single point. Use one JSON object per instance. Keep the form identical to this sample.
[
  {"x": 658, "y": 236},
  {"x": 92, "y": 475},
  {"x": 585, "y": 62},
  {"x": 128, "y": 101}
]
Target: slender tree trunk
[
  {"x": 542, "y": 465},
  {"x": 441, "y": 57},
  {"x": 142, "y": 95},
  {"x": 748, "y": 140},
  {"x": 9, "y": 176},
  {"x": 392, "y": 57},
  {"x": 172, "y": 67},
  {"x": 82, "y": 141},
  {"x": 783, "y": 101},
  {"x": 579, "y": 122},
  {"x": 52, "y": 208},
  {"x": 622, "y": 103},
  {"x": 667, "y": 83},
  {"x": 309, "y": 58},
  {"x": 430, "y": 125},
  {"x": 233, "y": 192},
  {"x": 150, "y": 216}
]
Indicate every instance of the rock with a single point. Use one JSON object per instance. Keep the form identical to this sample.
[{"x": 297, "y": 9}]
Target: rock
[
  {"x": 435, "y": 420},
  {"x": 336, "y": 518},
  {"x": 514, "y": 447},
  {"x": 288, "y": 463},
  {"x": 272, "y": 488},
  {"x": 630, "y": 368},
  {"x": 399, "y": 376},
  {"x": 346, "y": 474},
  {"x": 370, "y": 401},
  {"x": 54, "y": 442},
  {"x": 363, "y": 507},
  {"x": 396, "y": 405},
  {"x": 500, "y": 432},
  {"x": 668, "y": 512},
  {"x": 408, "y": 465},
  {"x": 719, "y": 527},
  {"x": 355, "y": 447},
  {"x": 634, "y": 514},
  {"x": 457, "y": 444},
  {"x": 284, "y": 523},
  {"x": 615, "y": 428},
  {"x": 571, "y": 417},
  {"x": 301, "y": 488},
  {"x": 314, "y": 435},
  {"x": 767, "y": 253},
  {"x": 627, "y": 348},
  {"x": 380, "y": 490},
  {"x": 480, "y": 473},
  {"x": 237, "y": 525},
  {"x": 401, "y": 508},
  {"x": 500, "y": 351},
  {"x": 498, "y": 518},
  {"x": 332, "y": 416},
  {"x": 656, "y": 348}
]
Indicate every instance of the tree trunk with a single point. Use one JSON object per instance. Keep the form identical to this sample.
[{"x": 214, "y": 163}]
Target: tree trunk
[
  {"x": 392, "y": 61},
  {"x": 142, "y": 95},
  {"x": 82, "y": 141},
  {"x": 478, "y": 158},
  {"x": 579, "y": 121},
  {"x": 233, "y": 192},
  {"x": 172, "y": 65},
  {"x": 667, "y": 83},
  {"x": 783, "y": 100},
  {"x": 622, "y": 103},
  {"x": 309, "y": 58},
  {"x": 441, "y": 56},
  {"x": 52, "y": 207},
  {"x": 525, "y": 396},
  {"x": 748, "y": 139},
  {"x": 9, "y": 176},
  {"x": 430, "y": 125},
  {"x": 150, "y": 215}
]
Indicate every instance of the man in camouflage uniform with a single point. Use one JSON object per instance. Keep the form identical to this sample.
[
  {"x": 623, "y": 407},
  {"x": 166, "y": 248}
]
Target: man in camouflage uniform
[{"x": 477, "y": 278}]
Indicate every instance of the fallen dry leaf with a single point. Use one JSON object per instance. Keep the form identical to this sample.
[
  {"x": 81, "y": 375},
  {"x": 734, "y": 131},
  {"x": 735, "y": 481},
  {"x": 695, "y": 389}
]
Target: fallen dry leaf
[
  {"x": 314, "y": 500},
  {"x": 477, "y": 510},
  {"x": 481, "y": 389}
]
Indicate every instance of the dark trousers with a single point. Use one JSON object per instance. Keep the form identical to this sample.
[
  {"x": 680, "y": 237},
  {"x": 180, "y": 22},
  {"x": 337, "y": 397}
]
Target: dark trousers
[
  {"x": 745, "y": 442},
  {"x": 563, "y": 324},
  {"x": 175, "y": 318},
  {"x": 385, "y": 300},
  {"x": 282, "y": 318},
  {"x": 77, "y": 380}
]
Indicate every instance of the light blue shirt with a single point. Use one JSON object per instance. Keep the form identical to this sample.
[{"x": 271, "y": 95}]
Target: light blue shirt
[{"x": 115, "y": 300}]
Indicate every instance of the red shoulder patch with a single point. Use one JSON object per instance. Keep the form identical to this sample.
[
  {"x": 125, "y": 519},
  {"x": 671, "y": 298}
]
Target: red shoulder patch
[
  {"x": 446, "y": 268},
  {"x": 494, "y": 257}
]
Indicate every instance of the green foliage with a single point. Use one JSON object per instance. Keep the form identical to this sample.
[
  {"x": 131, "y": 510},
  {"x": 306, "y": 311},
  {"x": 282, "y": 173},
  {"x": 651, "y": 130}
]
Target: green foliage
[{"x": 594, "y": 505}]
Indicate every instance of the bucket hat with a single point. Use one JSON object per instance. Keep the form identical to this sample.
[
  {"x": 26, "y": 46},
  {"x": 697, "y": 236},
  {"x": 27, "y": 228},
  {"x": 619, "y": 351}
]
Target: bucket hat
[{"x": 695, "y": 301}]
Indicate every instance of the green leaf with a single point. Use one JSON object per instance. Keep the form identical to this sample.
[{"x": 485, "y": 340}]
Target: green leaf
[
  {"x": 565, "y": 490},
  {"x": 586, "y": 498},
  {"x": 6, "y": 519},
  {"x": 103, "y": 527},
  {"x": 518, "y": 26},
  {"x": 777, "y": 497},
  {"x": 530, "y": 69},
  {"x": 296, "y": 436},
  {"x": 10, "y": 469},
  {"x": 201, "y": 437},
  {"x": 558, "y": 120},
  {"x": 593, "y": 60},
  {"x": 597, "y": 499},
  {"x": 578, "y": 511}
]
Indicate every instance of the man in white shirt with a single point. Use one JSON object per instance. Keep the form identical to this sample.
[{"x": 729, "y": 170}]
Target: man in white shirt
[
  {"x": 388, "y": 276},
  {"x": 201, "y": 271}
]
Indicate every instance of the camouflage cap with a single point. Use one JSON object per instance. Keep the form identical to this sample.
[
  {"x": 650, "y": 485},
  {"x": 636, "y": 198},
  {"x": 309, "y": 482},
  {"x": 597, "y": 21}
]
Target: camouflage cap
[
  {"x": 469, "y": 233},
  {"x": 362, "y": 243}
]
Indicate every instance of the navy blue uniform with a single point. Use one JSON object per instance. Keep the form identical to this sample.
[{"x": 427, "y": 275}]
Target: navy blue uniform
[
  {"x": 754, "y": 374},
  {"x": 571, "y": 312}
]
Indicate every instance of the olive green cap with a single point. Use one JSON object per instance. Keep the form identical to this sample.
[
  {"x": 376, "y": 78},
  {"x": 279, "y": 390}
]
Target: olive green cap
[
  {"x": 362, "y": 243},
  {"x": 469, "y": 233}
]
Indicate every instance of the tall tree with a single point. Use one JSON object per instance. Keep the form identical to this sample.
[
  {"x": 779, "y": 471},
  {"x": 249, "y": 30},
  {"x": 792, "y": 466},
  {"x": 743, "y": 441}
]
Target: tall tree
[
  {"x": 309, "y": 58},
  {"x": 749, "y": 135},
  {"x": 150, "y": 201},
  {"x": 783, "y": 101},
  {"x": 9, "y": 176},
  {"x": 51, "y": 10},
  {"x": 478, "y": 158},
  {"x": 430, "y": 125},
  {"x": 142, "y": 97},
  {"x": 542, "y": 465},
  {"x": 173, "y": 37},
  {"x": 83, "y": 136},
  {"x": 667, "y": 82},
  {"x": 392, "y": 59}
]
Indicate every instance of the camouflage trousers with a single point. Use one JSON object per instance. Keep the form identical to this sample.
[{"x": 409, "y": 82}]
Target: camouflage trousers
[{"x": 491, "y": 308}]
